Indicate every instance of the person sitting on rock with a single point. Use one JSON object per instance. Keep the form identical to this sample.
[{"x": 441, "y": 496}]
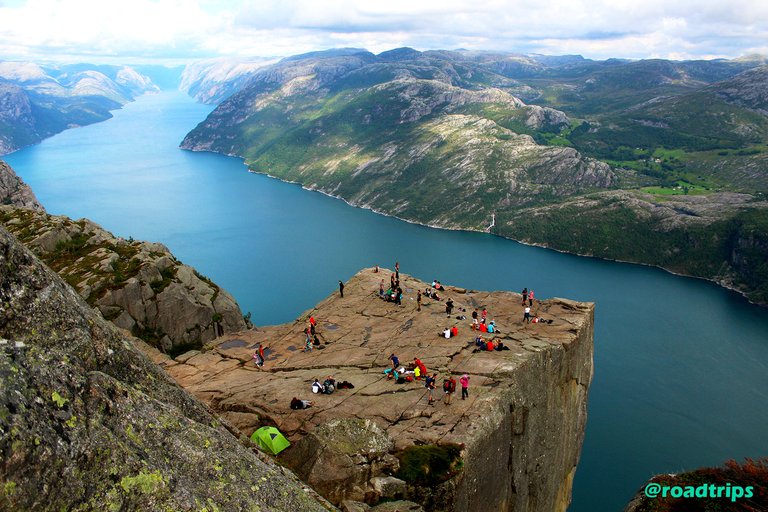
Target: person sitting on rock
[
  {"x": 446, "y": 333},
  {"x": 329, "y": 385},
  {"x": 316, "y": 386},
  {"x": 300, "y": 404},
  {"x": 454, "y": 331},
  {"x": 492, "y": 327}
]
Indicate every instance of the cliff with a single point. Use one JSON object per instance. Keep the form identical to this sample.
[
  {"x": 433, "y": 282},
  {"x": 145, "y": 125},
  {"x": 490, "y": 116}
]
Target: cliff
[
  {"x": 513, "y": 445},
  {"x": 139, "y": 286},
  {"x": 626, "y": 145},
  {"x": 87, "y": 422},
  {"x": 14, "y": 192}
]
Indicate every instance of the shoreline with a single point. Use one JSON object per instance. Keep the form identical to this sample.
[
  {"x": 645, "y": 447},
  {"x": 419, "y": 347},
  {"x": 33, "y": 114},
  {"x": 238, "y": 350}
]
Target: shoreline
[{"x": 483, "y": 231}]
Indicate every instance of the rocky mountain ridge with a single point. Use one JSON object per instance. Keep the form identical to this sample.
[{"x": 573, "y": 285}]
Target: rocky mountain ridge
[
  {"x": 37, "y": 102},
  {"x": 523, "y": 421},
  {"x": 399, "y": 131},
  {"x": 139, "y": 286},
  {"x": 89, "y": 423}
]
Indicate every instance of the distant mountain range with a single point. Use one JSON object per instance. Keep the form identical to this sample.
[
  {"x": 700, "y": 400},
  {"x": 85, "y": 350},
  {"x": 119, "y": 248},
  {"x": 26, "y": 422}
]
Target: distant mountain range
[
  {"x": 653, "y": 161},
  {"x": 37, "y": 102}
]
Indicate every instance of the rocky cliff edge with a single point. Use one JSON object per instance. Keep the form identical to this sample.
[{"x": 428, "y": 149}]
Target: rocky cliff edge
[
  {"x": 87, "y": 422},
  {"x": 512, "y": 445}
]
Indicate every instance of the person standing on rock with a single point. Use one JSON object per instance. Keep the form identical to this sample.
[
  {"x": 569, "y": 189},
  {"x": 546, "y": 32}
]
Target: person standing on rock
[
  {"x": 527, "y": 314},
  {"x": 341, "y": 288},
  {"x": 448, "y": 306},
  {"x": 485, "y": 315},
  {"x": 258, "y": 357},
  {"x": 430, "y": 385},
  {"x": 524, "y": 293},
  {"x": 418, "y": 301},
  {"x": 381, "y": 289},
  {"x": 474, "y": 320},
  {"x": 464, "y": 380},
  {"x": 449, "y": 388},
  {"x": 530, "y": 298}
]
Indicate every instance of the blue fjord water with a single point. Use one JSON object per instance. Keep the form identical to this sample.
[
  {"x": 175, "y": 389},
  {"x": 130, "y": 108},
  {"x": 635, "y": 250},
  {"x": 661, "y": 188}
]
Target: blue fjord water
[{"x": 681, "y": 365}]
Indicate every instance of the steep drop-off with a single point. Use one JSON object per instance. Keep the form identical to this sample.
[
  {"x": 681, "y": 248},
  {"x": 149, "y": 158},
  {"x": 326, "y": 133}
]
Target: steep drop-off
[
  {"x": 512, "y": 445},
  {"x": 87, "y": 422},
  {"x": 139, "y": 286}
]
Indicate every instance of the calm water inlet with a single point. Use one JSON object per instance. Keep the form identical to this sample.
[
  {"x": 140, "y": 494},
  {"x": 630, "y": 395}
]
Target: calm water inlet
[{"x": 681, "y": 365}]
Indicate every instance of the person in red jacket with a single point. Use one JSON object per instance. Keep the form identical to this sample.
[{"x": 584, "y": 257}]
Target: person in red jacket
[{"x": 454, "y": 331}]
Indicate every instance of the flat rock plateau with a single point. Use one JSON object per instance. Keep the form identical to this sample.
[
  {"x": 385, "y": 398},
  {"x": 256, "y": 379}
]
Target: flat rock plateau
[{"x": 518, "y": 435}]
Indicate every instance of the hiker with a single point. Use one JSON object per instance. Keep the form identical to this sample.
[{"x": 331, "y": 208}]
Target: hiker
[
  {"x": 474, "y": 320},
  {"x": 418, "y": 301},
  {"x": 530, "y": 298},
  {"x": 491, "y": 327},
  {"x": 438, "y": 286},
  {"x": 341, "y": 289},
  {"x": 489, "y": 346},
  {"x": 381, "y": 289},
  {"x": 449, "y": 387},
  {"x": 448, "y": 306},
  {"x": 446, "y": 333},
  {"x": 316, "y": 386},
  {"x": 258, "y": 356},
  {"x": 300, "y": 404},
  {"x": 430, "y": 385},
  {"x": 464, "y": 380},
  {"x": 485, "y": 314},
  {"x": 454, "y": 331},
  {"x": 308, "y": 343},
  {"x": 399, "y": 297},
  {"x": 527, "y": 314},
  {"x": 395, "y": 361},
  {"x": 524, "y": 293},
  {"x": 397, "y": 270},
  {"x": 376, "y": 270}
]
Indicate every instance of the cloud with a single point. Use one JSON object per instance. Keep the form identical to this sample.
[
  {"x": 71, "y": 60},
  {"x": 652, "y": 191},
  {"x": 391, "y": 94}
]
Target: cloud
[{"x": 185, "y": 29}]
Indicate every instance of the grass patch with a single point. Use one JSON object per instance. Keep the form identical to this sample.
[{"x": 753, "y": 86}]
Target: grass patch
[{"x": 429, "y": 465}]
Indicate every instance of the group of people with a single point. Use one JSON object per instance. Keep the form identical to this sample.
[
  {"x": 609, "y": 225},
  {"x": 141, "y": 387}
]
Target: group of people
[{"x": 416, "y": 370}]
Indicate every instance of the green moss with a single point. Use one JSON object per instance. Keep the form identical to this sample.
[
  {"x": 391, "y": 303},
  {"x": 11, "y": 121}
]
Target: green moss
[
  {"x": 9, "y": 488},
  {"x": 58, "y": 399},
  {"x": 429, "y": 464},
  {"x": 146, "y": 483}
]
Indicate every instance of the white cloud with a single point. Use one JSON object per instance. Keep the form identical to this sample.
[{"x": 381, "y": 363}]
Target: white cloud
[{"x": 182, "y": 29}]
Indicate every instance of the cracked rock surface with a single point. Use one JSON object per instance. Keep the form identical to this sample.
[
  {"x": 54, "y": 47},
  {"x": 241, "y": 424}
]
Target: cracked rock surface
[{"x": 524, "y": 419}]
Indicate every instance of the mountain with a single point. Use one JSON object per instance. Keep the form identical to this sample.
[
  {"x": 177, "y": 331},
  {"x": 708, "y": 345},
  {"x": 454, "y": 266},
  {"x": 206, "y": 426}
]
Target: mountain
[
  {"x": 88, "y": 422},
  {"x": 530, "y": 147},
  {"x": 212, "y": 81},
  {"x": 37, "y": 102},
  {"x": 139, "y": 286}
]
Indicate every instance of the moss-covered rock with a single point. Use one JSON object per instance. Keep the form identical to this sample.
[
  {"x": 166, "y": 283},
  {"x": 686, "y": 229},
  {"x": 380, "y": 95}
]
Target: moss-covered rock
[{"x": 89, "y": 423}]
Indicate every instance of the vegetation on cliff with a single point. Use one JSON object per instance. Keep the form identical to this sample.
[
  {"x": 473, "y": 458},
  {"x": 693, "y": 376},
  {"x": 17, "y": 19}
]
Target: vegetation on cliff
[
  {"x": 454, "y": 139},
  {"x": 89, "y": 423}
]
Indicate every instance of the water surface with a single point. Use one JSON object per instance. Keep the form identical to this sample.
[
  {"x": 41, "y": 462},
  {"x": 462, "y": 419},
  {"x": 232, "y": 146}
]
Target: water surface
[{"x": 681, "y": 365}]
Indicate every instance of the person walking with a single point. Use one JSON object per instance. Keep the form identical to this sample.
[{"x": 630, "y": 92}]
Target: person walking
[
  {"x": 341, "y": 288},
  {"x": 464, "y": 380},
  {"x": 449, "y": 388}
]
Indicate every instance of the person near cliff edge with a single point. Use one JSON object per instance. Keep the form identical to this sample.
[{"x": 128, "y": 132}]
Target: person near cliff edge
[
  {"x": 464, "y": 380},
  {"x": 341, "y": 289},
  {"x": 430, "y": 385},
  {"x": 527, "y": 314}
]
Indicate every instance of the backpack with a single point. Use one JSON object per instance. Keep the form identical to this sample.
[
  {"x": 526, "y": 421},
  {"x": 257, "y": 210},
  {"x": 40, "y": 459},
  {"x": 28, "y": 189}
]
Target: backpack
[
  {"x": 446, "y": 385},
  {"x": 452, "y": 386}
]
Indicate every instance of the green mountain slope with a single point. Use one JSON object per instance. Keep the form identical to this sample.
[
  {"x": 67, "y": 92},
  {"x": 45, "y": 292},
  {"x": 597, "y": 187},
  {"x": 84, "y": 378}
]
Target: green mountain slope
[{"x": 440, "y": 138}]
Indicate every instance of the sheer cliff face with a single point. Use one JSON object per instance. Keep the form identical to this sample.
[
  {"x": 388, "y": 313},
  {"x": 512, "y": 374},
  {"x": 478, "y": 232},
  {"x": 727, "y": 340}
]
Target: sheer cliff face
[
  {"x": 139, "y": 286},
  {"x": 14, "y": 192},
  {"x": 86, "y": 421},
  {"x": 517, "y": 438}
]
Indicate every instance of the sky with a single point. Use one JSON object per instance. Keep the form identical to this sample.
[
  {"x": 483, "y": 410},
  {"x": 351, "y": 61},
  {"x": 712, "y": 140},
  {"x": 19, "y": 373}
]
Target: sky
[{"x": 177, "y": 31}]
